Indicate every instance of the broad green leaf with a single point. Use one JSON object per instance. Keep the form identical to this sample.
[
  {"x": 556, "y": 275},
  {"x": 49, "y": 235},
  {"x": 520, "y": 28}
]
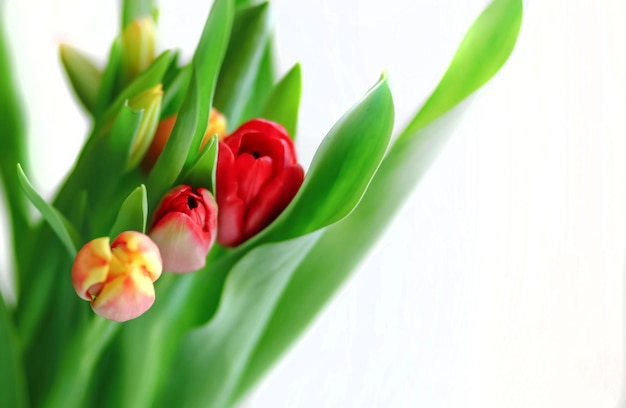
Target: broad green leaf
[
  {"x": 485, "y": 48},
  {"x": 135, "y": 9},
  {"x": 183, "y": 144},
  {"x": 108, "y": 160},
  {"x": 202, "y": 172},
  {"x": 263, "y": 85},
  {"x": 79, "y": 362},
  {"x": 85, "y": 78},
  {"x": 12, "y": 379},
  {"x": 251, "y": 32},
  {"x": 245, "y": 3},
  {"x": 342, "y": 167},
  {"x": 283, "y": 103},
  {"x": 133, "y": 213},
  {"x": 342, "y": 246},
  {"x": 220, "y": 349},
  {"x": 13, "y": 151},
  {"x": 174, "y": 91},
  {"x": 59, "y": 224}
]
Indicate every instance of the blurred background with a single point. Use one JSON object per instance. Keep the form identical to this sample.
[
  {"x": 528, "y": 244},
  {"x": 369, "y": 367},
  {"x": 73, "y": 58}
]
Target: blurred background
[{"x": 501, "y": 282}]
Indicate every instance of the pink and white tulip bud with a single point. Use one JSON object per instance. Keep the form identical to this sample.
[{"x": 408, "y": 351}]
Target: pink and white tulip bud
[
  {"x": 184, "y": 228},
  {"x": 118, "y": 278}
]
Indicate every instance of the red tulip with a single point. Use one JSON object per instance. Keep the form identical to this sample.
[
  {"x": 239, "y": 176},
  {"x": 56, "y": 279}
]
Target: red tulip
[
  {"x": 184, "y": 228},
  {"x": 257, "y": 177}
]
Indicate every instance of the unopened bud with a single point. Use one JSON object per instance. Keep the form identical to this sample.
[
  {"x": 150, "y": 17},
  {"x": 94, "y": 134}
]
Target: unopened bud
[{"x": 149, "y": 102}]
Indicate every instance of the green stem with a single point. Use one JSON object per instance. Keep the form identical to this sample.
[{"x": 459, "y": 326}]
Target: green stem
[
  {"x": 75, "y": 373},
  {"x": 13, "y": 151}
]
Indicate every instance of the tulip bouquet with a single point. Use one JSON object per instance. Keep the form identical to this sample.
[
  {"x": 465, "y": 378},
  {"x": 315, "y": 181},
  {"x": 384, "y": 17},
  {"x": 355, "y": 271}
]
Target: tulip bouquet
[{"x": 188, "y": 248}]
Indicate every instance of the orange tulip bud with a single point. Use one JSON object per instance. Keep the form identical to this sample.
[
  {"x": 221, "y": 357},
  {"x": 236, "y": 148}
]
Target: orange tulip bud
[{"x": 216, "y": 126}]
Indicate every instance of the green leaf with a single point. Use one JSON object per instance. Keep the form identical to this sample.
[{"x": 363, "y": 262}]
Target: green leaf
[
  {"x": 13, "y": 151},
  {"x": 485, "y": 48},
  {"x": 83, "y": 75},
  {"x": 283, "y": 103},
  {"x": 133, "y": 214},
  {"x": 263, "y": 85},
  {"x": 135, "y": 9},
  {"x": 110, "y": 155},
  {"x": 100, "y": 169},
  {"x": 343, "y": 245},
  {"x": 59, "y": 224},
  {"x": 110, "y": 78},
  {"x": 149, "y": 78},
  {"x": 251, "y": 33},
  {"x": 202, "y": 172},
  {"x": 220, "y": 349},
  {"x": 12, "y": 379},
  {"x": 79, "y": 362},
  {"x": 342, "y": 167},
  {"x": 183, "y": 144},
  {"x": 174, "y": 91}
]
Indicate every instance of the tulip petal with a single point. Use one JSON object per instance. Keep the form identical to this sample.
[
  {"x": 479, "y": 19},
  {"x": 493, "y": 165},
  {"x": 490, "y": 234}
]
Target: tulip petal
[
  {"x": 230, "y": 221},
  {"x": 227, "y": 184},
  {"x": 132, "y": 248},
  {"x": 125, "y": 297},
  {"x": 91, "y": 267},
  {"x": 253, "y": 174},
  {"x": 265, "y": 138},
  {"x": 273, "y": 199},
  {"x": 182, "y": 241}
]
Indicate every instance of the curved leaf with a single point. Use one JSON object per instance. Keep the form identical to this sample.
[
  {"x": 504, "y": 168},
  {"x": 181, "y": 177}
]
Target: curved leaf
[
  {"x": 133, "y": 213},
  {"x": 263, "y": 85},
  {"x": 342, "y": 167},
  {"x": 202, "y": 172},
  {"x": 59, "y": 224},
  {"x": 283, "y": 104},
  {"x": 343, "y": 245},
  {"x": 13, "y": 151},
  {"x": 220, "y": 349}
]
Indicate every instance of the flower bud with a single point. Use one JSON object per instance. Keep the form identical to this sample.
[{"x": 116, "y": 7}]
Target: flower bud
[
  {"x": 216, "y": 126},
  {"x": 150, "y": 102},
  {"x": 257, "y": 177},
  {"x": 83, "y": 75},
  {"x": 184, "y": 227},
  {"x": 118, "y": 279},
  {"x": 138, "y": 48}
]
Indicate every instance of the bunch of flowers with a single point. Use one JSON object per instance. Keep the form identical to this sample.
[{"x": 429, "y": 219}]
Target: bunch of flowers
[{"x": 201, "y": 244}]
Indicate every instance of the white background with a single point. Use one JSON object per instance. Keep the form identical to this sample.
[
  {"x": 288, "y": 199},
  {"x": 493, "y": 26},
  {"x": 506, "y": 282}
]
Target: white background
[{"x": 500, "y": 284}]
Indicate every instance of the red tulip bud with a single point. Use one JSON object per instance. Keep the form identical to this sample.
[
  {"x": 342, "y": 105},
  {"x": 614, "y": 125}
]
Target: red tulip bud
[
  {"x": 257, "y": 177},
  {"x": 184, "y": 228}
]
